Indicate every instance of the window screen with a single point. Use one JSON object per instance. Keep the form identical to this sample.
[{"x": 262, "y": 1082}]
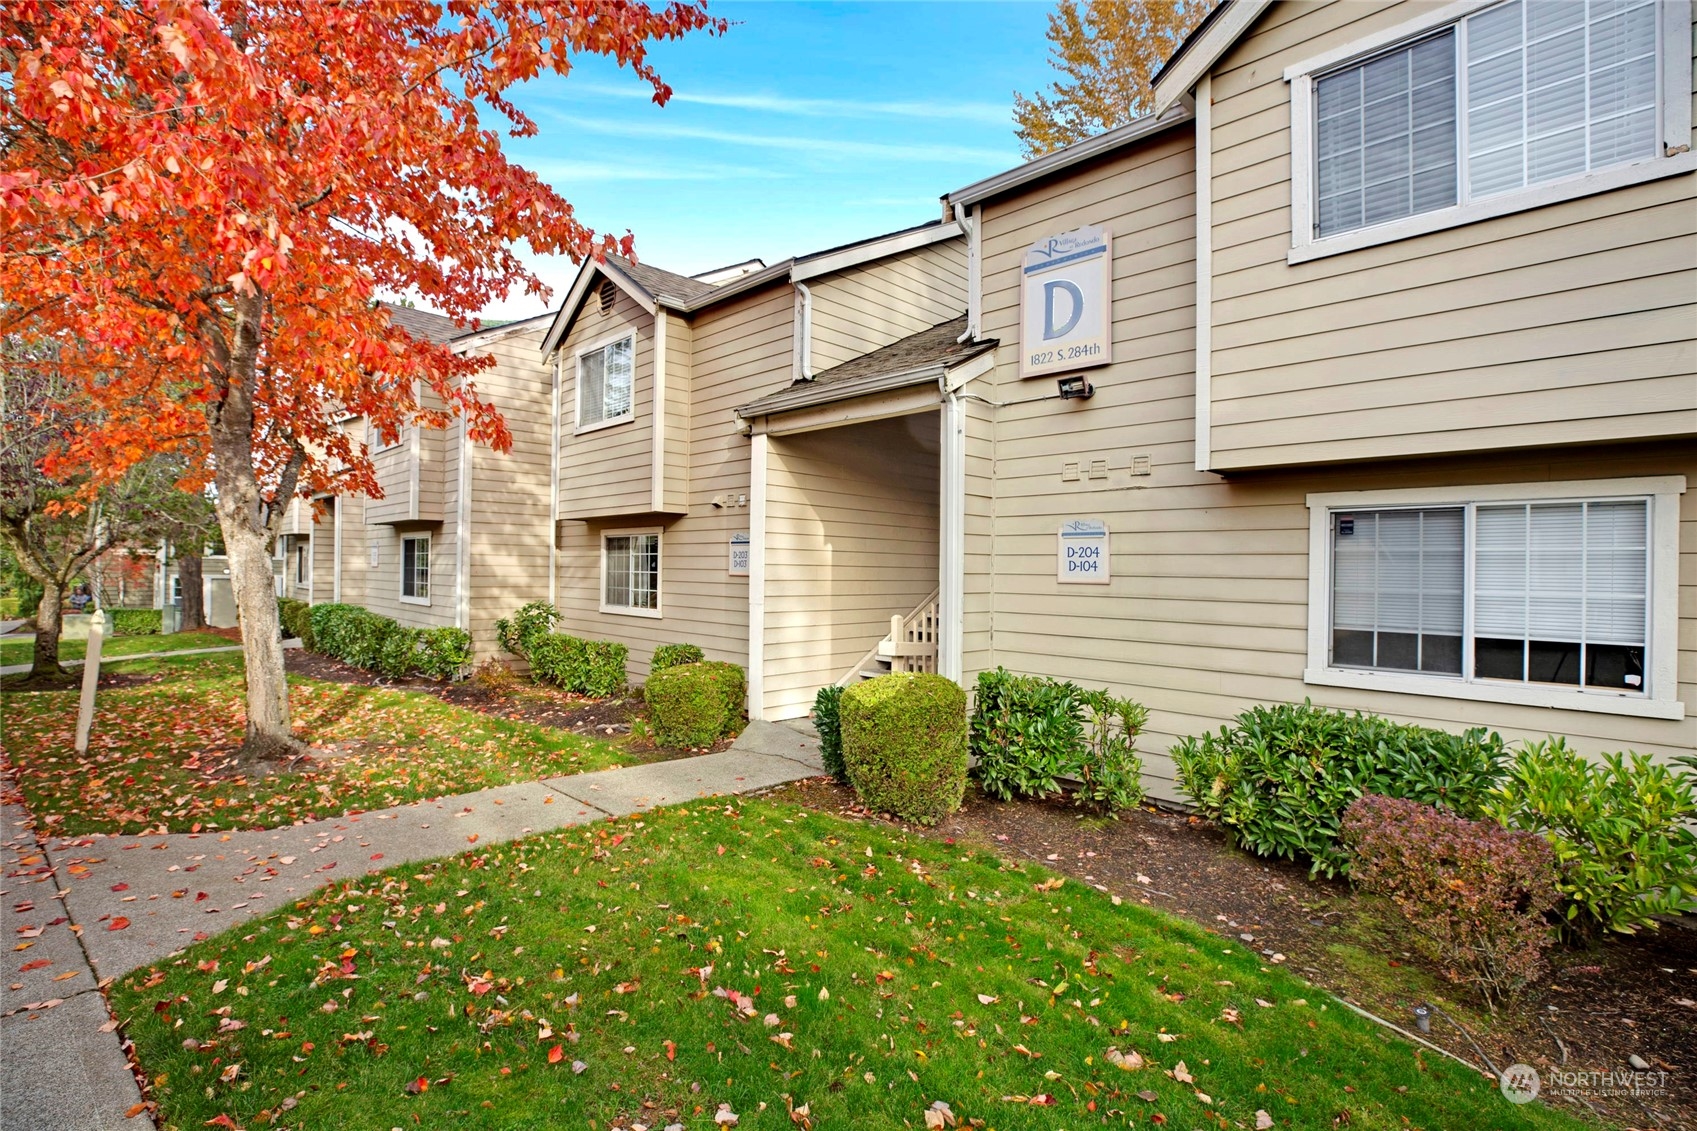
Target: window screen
[
  {"x": 604, "y": 382},
  {"x": 1397, "y": 580},
  {"x": 415, "y": 568},
  {"x": 633, "y": 571}
]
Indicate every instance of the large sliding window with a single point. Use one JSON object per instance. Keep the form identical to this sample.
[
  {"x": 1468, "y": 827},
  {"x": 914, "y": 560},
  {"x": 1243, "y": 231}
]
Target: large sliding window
[
  {"x": 1502, "y": 107},
  {"x": 1547, "y": 599}
]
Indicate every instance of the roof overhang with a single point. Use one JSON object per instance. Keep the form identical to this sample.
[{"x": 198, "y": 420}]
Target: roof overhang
[
  {"x": 946, "y": 376},
  {"x": 586, "y": 274},
  {"x": 475, "y": 338},
  {"x": 1073, "y": 155},
  {"x": 1203, "y": 48},
  {"x": 853, "y": 256}
]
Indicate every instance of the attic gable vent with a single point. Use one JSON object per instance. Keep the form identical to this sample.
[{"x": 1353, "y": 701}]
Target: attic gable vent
[{"x": 607, "y": 294}]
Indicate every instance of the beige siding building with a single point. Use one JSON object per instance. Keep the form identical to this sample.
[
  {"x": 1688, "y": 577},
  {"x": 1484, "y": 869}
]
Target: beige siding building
[{"x": 1363, "y": 370}]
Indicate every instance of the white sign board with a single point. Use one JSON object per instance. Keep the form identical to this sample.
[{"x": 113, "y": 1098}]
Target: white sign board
[
  {"x": 1064, "y": 302},
  {"x": 739, "y": 555},
  {"x": 374, "y": 555},
  {"x": 1081, "y": 552}
]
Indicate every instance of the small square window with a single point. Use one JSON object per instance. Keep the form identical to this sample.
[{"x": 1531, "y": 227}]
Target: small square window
[{"x": 630, "y": 570}]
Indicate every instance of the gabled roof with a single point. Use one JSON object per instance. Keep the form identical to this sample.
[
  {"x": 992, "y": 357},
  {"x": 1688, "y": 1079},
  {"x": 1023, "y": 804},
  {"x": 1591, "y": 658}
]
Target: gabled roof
[
  {"x": 422, "y": 324},
  {"x": 917, "y": 359},
  {"x": 653, "y": 288},
  {"x": 1202, "y": 48}
]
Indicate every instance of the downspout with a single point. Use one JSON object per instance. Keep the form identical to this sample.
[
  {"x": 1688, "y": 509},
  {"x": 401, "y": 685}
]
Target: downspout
[
  {"x": 462, "y": 535},
  {"x": 974, "y": 271},
  {"x": 336, "y": 549},
  {"x": 951, "y": 536},
  {"x": 803, "y": 358}
]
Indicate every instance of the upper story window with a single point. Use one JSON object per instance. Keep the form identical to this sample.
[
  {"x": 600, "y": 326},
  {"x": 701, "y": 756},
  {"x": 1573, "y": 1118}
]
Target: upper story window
[
  {"x": 604, "y": 381},
  {"x": 1511, "y": 106}
]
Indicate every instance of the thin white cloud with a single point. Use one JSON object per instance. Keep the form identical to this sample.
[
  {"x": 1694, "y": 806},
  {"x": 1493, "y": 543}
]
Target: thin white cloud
[
  {"x": 580, "y": 172},
  {"x": 982, "y": 112},
  {"x": 817, "y": 146}
]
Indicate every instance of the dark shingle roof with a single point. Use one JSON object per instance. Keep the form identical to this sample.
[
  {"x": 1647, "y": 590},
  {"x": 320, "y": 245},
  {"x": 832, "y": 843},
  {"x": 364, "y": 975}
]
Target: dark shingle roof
[
  {"x": 435, "y": 328},
  {"x": 913, "y": 360},
  {"x": 657, "y": 282}
]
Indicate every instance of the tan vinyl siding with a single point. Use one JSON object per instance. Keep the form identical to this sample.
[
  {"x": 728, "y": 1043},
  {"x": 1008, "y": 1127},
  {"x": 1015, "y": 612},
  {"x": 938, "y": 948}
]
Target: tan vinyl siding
[
  {"x": 609, "y": 470},
  {"x": 1207, "y": 611},
  {"x": 324, "y": 552},
  {"x": 1563, "y": 324},
  {"x": 865, "y": 307},
  {"x": 676, "y": 468},
  {"x": 509, "y": 512},
  {"x": 736, "y": 352},
  {"x": 851, "y": 539}
]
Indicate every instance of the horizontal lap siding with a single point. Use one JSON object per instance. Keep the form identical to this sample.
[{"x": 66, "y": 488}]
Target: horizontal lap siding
[
  {"x": 324, "y": 552},
  {"x": 1206, "y": 613},
  {"x": 851, "y": 539},
  {"x": 608, "y": 471},
  {"x": 394, "y": 480},
  {"x": 725, "y": 356},
  {"x": 679, "y": 357},
  {"x": 1563, "y": 324},
  {"x": 869, "y": 306},
  {"x": 509, "y": 513}
]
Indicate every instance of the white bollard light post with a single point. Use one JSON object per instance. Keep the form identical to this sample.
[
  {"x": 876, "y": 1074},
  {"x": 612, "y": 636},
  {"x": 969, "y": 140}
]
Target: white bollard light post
[{"x": 90, "y": 677}]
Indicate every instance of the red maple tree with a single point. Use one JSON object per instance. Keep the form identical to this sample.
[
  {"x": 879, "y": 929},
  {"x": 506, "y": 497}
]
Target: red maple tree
[{"x": 200, "y": 198}]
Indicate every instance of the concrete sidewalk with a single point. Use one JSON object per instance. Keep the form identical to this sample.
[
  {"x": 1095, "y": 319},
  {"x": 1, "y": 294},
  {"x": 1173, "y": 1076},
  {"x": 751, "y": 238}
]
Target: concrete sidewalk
[
  {"x": 60, "y": 1071},
  {"x": 23, "y": 669}
]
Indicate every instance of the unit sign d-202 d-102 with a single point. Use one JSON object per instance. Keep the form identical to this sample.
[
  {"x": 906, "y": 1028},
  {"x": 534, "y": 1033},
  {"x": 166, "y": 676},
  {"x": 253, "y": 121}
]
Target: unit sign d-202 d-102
[{"x": 1065, "y": 286}]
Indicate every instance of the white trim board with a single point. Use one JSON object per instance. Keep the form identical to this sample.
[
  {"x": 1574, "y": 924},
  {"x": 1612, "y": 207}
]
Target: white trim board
[
  {"x": 758, "y": 454},
  {"x": 1662, "y": 654},
  {"x": 657, "y": 464},
  {"x": 812, "y": 267},
  {"x": 1204, "y": 450}
]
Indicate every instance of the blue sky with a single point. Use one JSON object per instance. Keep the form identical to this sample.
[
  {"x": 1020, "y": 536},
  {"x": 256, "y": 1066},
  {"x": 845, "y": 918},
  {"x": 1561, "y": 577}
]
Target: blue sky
[{"x": 807, "y": 125}]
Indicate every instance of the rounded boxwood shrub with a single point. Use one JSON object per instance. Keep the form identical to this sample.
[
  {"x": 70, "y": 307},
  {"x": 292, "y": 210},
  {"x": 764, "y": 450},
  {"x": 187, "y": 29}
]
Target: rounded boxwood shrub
[
  {"x": 904, "y": 745},
  {"x": 696, "y": 704},
  {"x": 671, "y": 655}
]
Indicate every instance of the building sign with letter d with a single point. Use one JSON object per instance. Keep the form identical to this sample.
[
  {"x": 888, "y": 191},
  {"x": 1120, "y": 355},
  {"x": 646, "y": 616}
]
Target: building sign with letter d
[{"x": 1064, "y": 303}]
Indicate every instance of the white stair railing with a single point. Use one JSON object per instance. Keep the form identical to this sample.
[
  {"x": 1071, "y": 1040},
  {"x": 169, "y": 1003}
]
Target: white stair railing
[{"x": 912, "y": 643}]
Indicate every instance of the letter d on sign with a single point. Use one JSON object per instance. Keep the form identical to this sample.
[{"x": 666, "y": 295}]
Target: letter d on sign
[{"x": 1050, "y": 330}]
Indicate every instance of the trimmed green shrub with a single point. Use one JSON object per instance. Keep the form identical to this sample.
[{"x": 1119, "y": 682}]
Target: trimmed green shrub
[
  {"x": 1620, "y": 829},
  {"x": 397, "y": 655},
  {"x": 695, "y": 705},
  {"x": 351, "y": 634},
  {"x": 519, "y": 632},
  {"x": 556, "y": 658},
  {"x": 827, "y": 720},
  {"x": 1033, "y": 736},
  {"x": 443, "y": 653},
  {"x": 1474, "y": 893},
  {"x": 904, "y": 745},
  {"x": 296, "y": 617},
  {"x": 671, "y": 655},
  {"x": 1280, "y": 778},
  {"x": 603, "y": 669},
  {"x": 136, "y": 622}
]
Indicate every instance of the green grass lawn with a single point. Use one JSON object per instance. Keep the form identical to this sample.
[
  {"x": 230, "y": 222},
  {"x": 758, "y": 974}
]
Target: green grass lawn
[
  {"x": 19, "y": 651},
  {"x": 154, "y": 757},
  {"x": 771, "y": 959}
]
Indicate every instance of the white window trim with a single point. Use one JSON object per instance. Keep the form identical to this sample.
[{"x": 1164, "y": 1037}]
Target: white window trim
[
  {"x": 1674, "y": 158},
  {"x": 577, "y": 384},
  {"x": 401, "y": 569},
  {"x": 660, "y": 559},
  {"x": 1661, "y": 698}
]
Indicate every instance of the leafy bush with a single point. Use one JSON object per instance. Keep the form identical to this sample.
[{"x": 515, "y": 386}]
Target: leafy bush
[
  {"x": 495, "y": 678},
  {"x": 1280, "y": 779},
  {"x": 904, "y": 744},
  {"x": 1475, "y": 893},
  {"x": 827, "y": 720},
  {"x": 519, "y": 633},
  {"x": 671, "y": 655},
  {"x": 588, "y": 667},
  {"x": 695, "y": 705},
  {"x": 136, "y": 622},
  {"x": 443, "y": 652},
  {"x": 333, "y": 627},
  {"x": 296, "y": 617},
  {"x": 397, "y": 655},
  {"x": 1034, "y": 736},
  {"x": 1620, "y": 829}
]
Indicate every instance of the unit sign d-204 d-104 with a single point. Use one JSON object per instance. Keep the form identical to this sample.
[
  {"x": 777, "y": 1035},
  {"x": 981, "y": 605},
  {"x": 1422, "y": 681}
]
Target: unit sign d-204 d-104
[{"x": 1065, "y": 287}]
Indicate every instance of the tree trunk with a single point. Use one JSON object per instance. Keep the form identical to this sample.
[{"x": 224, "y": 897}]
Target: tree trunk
[
  {"x": 268, "y": 733},
  {"x": 49, "y": 623},
  {"x": 194, "y": 594}
]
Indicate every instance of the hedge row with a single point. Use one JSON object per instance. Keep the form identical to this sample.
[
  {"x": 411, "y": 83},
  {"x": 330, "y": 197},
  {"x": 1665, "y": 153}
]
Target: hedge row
[
  {"x": 136, "y": 622},
  {"x": 589, "y": 667},
  {"x": 377, "y": 643},
  {"x": 694, "y": 705}
]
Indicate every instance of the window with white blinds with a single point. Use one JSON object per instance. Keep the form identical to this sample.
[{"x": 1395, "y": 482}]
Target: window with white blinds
[
  {"x": 1517, "y": 95},
  {"x": 604, "y": 382},
  {"x": 1542, "y": 592},
  {"x": 631, "y": 572}
]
